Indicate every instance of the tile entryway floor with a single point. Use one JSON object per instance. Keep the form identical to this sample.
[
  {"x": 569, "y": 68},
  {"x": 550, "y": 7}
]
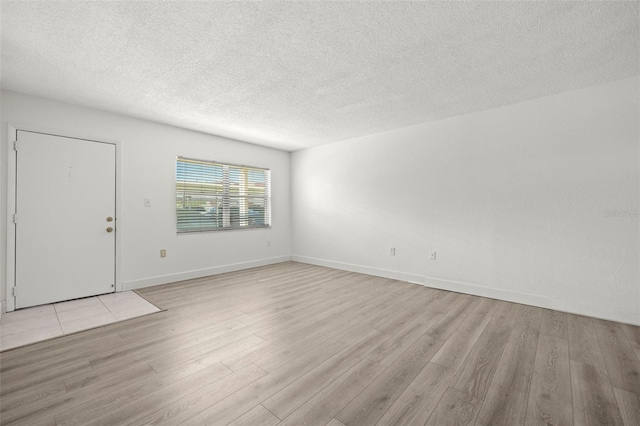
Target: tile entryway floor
[{"x": 39, "y": 323}]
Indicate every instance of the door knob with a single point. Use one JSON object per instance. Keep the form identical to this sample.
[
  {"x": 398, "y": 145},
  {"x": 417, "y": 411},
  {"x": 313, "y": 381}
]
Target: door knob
[
  {"x": 109, "y": 219},
  {"x": 109, "y": 229}
]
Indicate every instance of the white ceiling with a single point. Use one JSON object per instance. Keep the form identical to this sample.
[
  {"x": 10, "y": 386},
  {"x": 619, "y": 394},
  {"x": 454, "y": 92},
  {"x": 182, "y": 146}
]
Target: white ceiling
[{"x": 292, "y": 75}]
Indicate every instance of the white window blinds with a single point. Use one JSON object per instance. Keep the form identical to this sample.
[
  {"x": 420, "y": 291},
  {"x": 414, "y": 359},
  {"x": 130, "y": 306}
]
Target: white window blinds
[{"x": 213, "y": 196}]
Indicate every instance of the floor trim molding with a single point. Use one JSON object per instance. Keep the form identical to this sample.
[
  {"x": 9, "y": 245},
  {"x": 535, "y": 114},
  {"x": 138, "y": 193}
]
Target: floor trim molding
[
  {"x": 573, "y": 307},
  {"x": 199, "y": 273}
]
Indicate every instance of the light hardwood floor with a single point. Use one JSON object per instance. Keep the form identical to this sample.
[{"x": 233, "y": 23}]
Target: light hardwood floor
[{"x": 295, "y": 344}]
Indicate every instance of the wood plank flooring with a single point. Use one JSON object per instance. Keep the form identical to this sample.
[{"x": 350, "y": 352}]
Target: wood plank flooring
[{"x": 295, "y": 344}]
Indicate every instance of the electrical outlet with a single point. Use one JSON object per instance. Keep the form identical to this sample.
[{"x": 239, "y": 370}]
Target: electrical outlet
[
  {"x": 433, "y": 255},
  {"x": 268, "y": 243},
  {"x": 163, "y": 253},
  {"x": 147, "y": 202},
  {"x": 392, "y": 251}
]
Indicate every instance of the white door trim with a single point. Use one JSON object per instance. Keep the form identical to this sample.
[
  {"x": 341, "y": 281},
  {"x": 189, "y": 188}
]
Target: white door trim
[{"x": 11, "y": 203}]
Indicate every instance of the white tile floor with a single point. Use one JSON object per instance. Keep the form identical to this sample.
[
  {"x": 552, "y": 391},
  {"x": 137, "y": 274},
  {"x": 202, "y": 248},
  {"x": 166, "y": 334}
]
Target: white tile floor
[{"x": 39, "y": 323}]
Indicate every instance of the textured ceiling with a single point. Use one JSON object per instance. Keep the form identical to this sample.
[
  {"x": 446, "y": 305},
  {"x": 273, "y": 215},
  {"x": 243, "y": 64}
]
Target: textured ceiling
[{"x": 292, "y": 75}]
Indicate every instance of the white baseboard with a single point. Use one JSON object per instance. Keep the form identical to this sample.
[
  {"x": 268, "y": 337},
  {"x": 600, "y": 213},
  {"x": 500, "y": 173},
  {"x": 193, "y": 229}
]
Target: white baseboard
[
  {"x": 384, "y": 273},
  {"x": 570, "y": 306},
  {"x": 199, "y": 273}
]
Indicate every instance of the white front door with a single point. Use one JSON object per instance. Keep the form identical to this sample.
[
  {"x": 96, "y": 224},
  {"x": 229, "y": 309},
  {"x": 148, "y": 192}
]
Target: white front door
[{"x": 65, "y": 218}]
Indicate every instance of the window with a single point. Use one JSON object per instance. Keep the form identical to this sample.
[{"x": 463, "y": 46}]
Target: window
[{"x": 213, "y": 196}]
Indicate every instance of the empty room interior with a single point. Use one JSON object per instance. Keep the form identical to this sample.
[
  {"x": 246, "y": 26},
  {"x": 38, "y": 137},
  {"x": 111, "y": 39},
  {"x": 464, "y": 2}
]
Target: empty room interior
[{"x": 320, "y": 213}]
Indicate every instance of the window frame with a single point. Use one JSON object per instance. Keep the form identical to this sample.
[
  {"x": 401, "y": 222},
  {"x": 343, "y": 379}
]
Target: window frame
[{"x": 226, "y": 197}]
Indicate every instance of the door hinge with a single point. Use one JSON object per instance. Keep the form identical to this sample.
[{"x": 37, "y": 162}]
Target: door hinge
[
  {"x": 15, "y": 146},
  {"x": 15, "y": 218},
  {"x": 15, "y": 291}
]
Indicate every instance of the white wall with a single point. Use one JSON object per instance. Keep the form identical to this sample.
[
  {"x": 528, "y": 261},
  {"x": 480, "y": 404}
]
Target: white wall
[
  {"x": 512, "y": 199},
  {"x": 149, "y": 152}
]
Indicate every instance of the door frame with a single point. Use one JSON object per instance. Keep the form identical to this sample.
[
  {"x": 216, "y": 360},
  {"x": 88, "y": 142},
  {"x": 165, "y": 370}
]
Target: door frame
[{"x": 11, "y": 202}]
